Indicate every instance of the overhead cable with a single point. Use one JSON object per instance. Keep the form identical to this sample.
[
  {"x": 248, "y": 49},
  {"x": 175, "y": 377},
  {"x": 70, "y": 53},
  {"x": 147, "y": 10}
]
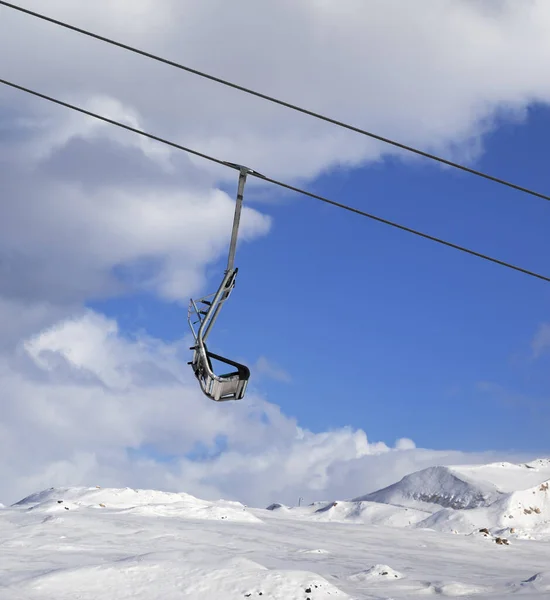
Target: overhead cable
[
  {"x": 289, "y": 105},
  {"x": 274, "y": 181}
]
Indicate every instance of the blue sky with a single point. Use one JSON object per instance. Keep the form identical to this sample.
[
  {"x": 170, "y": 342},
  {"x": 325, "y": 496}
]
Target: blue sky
[
  {"x": 390, "y": 333},
  {"x": 358, "y": 332}
]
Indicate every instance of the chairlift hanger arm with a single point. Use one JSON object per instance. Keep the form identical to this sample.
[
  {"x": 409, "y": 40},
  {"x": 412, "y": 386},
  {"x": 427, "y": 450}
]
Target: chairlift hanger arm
[
  {"x": 243, "y": 172},
  {"x": 230, "y": 273},
  {"x": 230, "y": 386},
  {"x": 225, "y": 289}
]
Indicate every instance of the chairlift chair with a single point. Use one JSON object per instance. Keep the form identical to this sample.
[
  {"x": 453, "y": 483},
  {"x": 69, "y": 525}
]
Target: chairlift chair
[{"x": 204, "y": 312}]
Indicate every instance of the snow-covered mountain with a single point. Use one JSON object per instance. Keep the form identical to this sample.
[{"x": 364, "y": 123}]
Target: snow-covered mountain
[
  {"x": 90, "y": 543},
  {"x": 511, "y": 500},
  {"x": 524, "y": 514},
  {"x": 461, "y": 487}
]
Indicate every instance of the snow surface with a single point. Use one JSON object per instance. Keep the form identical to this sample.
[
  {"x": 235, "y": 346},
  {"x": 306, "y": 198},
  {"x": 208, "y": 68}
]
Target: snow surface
[
  {"x": 139, "y": 502},
  {"x": 91, "y": 543}
]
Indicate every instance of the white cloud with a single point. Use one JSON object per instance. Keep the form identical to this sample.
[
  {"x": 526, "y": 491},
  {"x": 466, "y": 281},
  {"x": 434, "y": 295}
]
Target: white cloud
[
  {"x": 21, "y": 319},
  {"x": 86, "y": 201},
  {"x": 434, "y": 74},
  {"x": 88, "y": 211},
  {"x": 82, "y": 405},
  {"x": 405, "y": 444},
  {"x": 63, "y": 240},
  {"x": 56, "y": 133}
]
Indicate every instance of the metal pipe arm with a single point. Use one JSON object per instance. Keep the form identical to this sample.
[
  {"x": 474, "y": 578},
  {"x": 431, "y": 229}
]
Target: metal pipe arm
[{"x": 237, "y": 218}]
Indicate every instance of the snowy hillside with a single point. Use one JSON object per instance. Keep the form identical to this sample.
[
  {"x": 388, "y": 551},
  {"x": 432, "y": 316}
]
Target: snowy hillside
[
  {"x": 371, "y": 513},
  {"x": 139, "y": 502},
  {"x": 461, "y": 487},
  {"x": 434, "y": 488},
  {"x": 91, "y": 543},
  {"x": 507, "y": 500},
  {"x": 524, "y": 514}
]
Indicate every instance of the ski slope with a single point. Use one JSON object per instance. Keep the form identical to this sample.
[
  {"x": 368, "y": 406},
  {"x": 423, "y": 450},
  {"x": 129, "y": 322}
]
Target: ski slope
[{"x": 91, "y": 543}]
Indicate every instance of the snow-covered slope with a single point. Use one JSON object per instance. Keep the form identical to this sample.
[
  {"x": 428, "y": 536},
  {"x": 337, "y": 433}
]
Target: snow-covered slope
[
  {"x": 144, "y": 502},
  {"x": 510, "y": 500},
  {"x": 508, "y": 477},
  {"x": 434, "y": 488},
  {"x": 524, "y": 514},
  {"x": 91, "y": 543},
  {"x": 461, "y": 487},
  {"x": 367, "y": 513}
]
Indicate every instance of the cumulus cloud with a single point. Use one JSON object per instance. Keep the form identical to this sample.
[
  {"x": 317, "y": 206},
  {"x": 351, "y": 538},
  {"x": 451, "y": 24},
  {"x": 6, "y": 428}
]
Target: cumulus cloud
[
  {"x": 436, "y": 76},
  {"x": 89, "y": 211},
  {"x": 69, "y": 233},
  {"x": 83, "y": 405}
]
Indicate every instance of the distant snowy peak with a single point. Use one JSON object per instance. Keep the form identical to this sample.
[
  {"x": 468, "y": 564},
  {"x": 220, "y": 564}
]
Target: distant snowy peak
[
  {"x": 497, "y": 501},
  {"x": 439, "y": 486},
  {"x": 461, "y": 487}
]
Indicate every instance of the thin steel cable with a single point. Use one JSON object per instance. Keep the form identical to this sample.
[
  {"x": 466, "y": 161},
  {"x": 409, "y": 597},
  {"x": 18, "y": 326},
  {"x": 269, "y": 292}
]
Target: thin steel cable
[
  {"x": 289, "y": 105},
  {"x": 276, "y": 182}
]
